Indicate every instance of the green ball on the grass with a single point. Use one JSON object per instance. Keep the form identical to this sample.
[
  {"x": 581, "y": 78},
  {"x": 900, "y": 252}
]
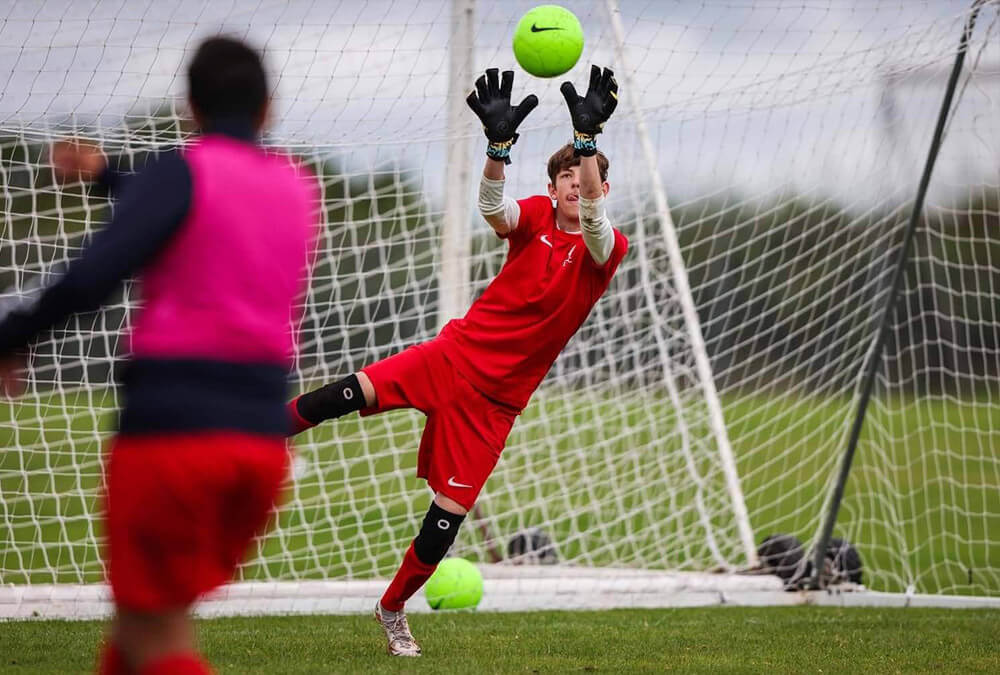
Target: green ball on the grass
[
  {"x": 548, "y": 41},
  {"x": 455, "y": 584}
]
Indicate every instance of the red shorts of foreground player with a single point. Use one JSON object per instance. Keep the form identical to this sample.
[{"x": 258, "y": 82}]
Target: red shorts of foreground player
[
  {"x": 182, "y": 509},
  {"x": 465, "y": 431}
]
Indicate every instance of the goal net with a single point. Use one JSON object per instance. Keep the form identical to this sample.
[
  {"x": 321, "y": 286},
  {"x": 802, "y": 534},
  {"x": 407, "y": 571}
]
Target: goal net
[{"x": 706, "y": 402}]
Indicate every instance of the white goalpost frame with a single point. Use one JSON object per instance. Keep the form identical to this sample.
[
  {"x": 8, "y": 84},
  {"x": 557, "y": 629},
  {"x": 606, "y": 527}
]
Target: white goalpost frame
[
  {"x": 506, "y": 588},
  {"x": 705, "y": 376},
  {"x": 454, "y": 277}
]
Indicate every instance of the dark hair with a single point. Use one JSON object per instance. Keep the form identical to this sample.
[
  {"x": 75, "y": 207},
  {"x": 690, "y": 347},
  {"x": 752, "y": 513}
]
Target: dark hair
[
  {"x": 226, "y": 78},
  {"x": 564, "y": 159}
]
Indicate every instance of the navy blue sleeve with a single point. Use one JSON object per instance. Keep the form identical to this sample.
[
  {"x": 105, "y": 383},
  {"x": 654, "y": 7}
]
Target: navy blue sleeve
[
  {"x": 150, "y": 209},
  {"x": 110, "y": 180},
  {"x": 113, "y": 180}
]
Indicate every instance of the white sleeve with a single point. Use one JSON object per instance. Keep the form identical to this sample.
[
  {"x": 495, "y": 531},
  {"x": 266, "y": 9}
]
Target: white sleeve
[
  {"x": 492, "y": 201},
  {"x": 598, "y": 234}
]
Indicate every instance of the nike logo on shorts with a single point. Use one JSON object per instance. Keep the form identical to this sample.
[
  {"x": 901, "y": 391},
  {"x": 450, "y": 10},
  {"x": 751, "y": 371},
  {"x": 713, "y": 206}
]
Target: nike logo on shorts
[{"x": 453, "y": 483}]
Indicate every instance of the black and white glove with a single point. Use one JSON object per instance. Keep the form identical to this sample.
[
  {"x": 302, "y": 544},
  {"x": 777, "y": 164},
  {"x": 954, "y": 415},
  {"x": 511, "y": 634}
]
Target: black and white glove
[
  {"x": 491, "y": 103},
  {"x": 590, "y": 112}
]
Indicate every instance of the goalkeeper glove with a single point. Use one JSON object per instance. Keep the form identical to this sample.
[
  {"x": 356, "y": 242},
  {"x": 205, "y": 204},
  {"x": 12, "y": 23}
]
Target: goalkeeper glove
[
  {"x": 491, "y": 103},
  {"x": 590, "y": 112}
]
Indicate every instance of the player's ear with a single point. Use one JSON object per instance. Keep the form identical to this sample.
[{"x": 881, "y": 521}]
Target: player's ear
[
  {"x": 262, "y": 119},
  {"x": 196, "y": 115},
  {"x": 606, "y": 187},
  {"x": 552, "y": 192}
]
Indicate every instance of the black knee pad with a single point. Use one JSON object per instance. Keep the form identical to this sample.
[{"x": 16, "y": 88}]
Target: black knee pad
[
  {"x": 331, "y": 401},
  {"x": 437, "y": 534}
]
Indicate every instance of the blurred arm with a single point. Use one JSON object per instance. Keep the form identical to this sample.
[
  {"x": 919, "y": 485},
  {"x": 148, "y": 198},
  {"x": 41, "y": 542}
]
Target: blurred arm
[{"x": 152, "y": 206}]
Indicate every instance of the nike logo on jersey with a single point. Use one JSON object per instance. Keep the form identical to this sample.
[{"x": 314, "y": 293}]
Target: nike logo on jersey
[
  {"x": 536, "y": 29},
  {"x": 452, "y": 482},
  {"x": 545, "y": 240}
]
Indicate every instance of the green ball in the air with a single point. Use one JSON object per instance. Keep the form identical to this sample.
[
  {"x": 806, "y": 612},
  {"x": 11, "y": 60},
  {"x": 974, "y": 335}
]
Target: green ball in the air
[
  {"x": 455, "y": 584},
  {"x": 548, "y": 41}
]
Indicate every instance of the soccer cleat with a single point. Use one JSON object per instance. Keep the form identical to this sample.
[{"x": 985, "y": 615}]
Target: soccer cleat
[{"x": 397, "y": 632}]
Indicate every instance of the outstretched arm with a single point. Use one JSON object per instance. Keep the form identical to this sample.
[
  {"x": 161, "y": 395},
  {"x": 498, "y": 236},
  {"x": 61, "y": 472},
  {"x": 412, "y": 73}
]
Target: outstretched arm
[
  {"x": 151, "y": 208},
  {"x": 499, "y": 210},
  {"x": 598, "y": 235},
  {"x": 589, "y": 113},
  {"x": 491, "y": 103}
]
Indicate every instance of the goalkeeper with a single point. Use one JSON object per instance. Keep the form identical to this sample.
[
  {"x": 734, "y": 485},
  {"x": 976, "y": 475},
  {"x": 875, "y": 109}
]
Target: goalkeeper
[
  {"x": 219, "y": 235},
  {"x": 473, "y": 380}
]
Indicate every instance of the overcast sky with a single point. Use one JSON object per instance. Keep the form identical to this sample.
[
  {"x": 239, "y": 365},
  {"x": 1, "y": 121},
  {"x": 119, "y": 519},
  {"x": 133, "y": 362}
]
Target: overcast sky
[{"x": 827, "y": 93}]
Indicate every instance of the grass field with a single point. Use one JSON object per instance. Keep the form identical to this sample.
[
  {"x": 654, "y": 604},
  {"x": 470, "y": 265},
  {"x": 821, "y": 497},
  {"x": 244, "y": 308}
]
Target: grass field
[
  {"x": 773, "y": 640},
  {"x": 923, "y": 503}
]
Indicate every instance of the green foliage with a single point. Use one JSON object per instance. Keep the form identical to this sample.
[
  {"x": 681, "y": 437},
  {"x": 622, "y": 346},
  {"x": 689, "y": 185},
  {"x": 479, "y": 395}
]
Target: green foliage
[{"x": 789, "y": 288}]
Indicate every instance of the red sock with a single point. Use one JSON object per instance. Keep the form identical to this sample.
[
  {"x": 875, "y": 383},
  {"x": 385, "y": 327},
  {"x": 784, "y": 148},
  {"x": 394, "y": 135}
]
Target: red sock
[
  {"x": 411, "y": 576},
  {"x": 111, "y": 661},
  {"x": 299, "y": 423},
  {"x": 177, "y": 664}
]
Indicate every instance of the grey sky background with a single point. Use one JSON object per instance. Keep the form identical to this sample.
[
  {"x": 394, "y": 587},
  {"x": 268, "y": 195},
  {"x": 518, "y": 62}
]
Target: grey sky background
[{"x": 837, "y": 96}]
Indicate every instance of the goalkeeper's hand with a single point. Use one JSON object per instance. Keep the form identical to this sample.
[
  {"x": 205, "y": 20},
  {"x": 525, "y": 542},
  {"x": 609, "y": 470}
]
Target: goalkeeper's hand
[
  {"x": 590, "y": 112},
  {"x": 491, "y": 103}
]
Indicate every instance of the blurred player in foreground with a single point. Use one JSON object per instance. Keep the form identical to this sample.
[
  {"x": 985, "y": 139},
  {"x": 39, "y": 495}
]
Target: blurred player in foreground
[
  {"x": 219, "y": 235},
  {"x": 473, "y": 380}
]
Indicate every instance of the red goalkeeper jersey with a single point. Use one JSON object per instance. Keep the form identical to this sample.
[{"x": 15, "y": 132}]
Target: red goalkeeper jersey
[{"x": 511, "y": 335}]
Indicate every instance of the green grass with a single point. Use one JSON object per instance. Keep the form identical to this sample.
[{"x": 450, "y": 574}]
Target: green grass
[
  {"x": 752, "y": 640},
  {"x": 922, "y": 504}
]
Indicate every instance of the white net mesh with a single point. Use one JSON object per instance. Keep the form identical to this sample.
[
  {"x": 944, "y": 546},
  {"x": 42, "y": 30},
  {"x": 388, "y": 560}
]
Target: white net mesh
[{"x": 790, "y": 137}]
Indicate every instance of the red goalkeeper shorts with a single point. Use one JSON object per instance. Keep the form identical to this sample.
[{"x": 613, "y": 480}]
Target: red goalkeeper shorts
[
  {"x": 465, "y": 431},
  {"x": 181, "y": 511}
]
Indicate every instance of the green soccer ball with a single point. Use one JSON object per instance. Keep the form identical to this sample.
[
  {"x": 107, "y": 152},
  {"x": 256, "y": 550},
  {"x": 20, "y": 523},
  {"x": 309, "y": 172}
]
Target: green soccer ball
[
  {"x": 455, "y": 584},
  {"x": 548, "y": 41}
]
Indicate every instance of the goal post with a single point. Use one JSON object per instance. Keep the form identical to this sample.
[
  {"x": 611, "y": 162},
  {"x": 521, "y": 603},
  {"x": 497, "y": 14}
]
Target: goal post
[
  {"x": 692, "y": 323},
  {"x": 764, "y": 172},
  {"x": 455, "y": 244}
]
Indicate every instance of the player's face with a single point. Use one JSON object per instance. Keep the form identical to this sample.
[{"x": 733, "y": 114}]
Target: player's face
[{"x": 566, "y": 192}]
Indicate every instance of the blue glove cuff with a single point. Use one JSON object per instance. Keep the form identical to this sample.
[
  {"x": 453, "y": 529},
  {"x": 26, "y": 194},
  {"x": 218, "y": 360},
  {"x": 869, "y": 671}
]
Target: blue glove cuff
[
  {"x": 584, "y": 145},
  {"x": 500, "y": 150}
]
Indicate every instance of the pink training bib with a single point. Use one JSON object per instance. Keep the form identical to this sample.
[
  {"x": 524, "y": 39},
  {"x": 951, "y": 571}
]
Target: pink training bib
[{"x": 226, "y": 285}]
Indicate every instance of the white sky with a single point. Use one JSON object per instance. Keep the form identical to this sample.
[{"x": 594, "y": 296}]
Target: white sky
[{"x": 737, "y": 93}]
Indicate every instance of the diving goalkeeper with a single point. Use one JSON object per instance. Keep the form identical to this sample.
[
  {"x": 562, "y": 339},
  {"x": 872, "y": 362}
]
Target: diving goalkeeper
[{"x": 473, "y": 380}]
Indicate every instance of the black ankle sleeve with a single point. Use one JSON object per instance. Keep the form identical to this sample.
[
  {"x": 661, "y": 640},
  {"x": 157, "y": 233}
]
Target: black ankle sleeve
[{"x": 333, "y": 400}]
